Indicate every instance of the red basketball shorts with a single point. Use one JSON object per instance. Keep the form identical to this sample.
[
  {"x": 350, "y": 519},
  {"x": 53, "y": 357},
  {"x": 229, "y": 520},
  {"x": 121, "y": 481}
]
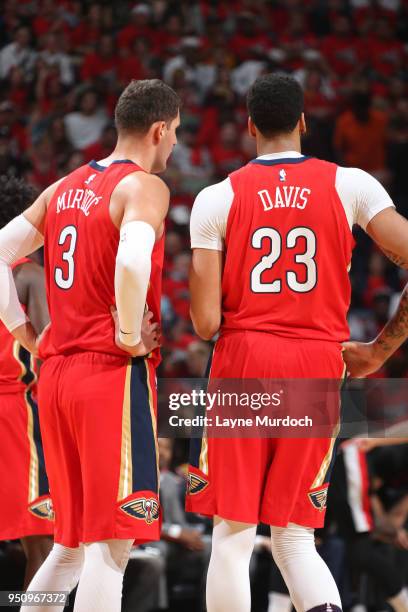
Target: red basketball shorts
[
  {"x": 98, "y": 420},
  {"x": 25, "y": 508},
  {"x": 271, "y": 480}
]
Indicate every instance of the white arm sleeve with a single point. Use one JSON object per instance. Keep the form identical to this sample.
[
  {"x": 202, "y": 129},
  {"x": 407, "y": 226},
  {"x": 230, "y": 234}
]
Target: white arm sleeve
[
  {"x": 132, "y": 274},
  {"x": 209, "y": 216},
  {"x": 361, "y": 194},
  {"x": 17, "y": 239}
]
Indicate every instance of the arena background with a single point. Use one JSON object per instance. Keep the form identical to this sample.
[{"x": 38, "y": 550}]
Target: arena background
[{"x": 62, "y": 67}]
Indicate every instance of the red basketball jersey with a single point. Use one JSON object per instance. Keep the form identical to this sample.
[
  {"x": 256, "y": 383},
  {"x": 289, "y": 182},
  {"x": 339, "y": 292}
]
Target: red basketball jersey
[
  {"x": 80, "y": 244},
  {"x": 17, "y": 367},
  {"x": 288, "y": 250}
]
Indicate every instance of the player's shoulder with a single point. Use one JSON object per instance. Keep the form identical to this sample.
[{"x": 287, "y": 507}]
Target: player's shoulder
[
  {"x": 355, "y": 177},
  {"x": 217, "y": 191},
  {"x": 142, "y": 181}
]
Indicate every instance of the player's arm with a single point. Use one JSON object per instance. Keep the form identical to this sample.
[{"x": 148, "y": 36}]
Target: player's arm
[
  {"x": 30, "y": 284},
  {"x": 139, "y": 206},
  {"x": 389, "y": 230},
  {"x": 205, "y": 290},
  {"x": 19, "y": 238},
  {"x": 207, "y": 228}
]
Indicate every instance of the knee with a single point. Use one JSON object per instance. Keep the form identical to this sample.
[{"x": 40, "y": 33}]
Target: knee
[
  {"x": 62, "y": 555},
  {"x": 291, "y": 542}
]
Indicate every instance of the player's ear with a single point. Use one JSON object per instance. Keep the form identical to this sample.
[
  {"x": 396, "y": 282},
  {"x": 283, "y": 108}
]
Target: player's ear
[
  {"x": 158, "y": 129},
  {"x": 251, "y": 128},
  {"x": 302, "y": 125}
]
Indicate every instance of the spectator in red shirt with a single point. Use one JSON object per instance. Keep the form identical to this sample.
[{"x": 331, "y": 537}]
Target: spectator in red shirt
[
  {"x": 139, "y": 26},
  {"x": 226, "y": 152},
  {"x": 385, "y": 52},
  {"x": 102, "y": 64},
  {"x": 86, "y": 34},
  {"x": 248, "y": 37},
  {"x": 341, "y": 48}
]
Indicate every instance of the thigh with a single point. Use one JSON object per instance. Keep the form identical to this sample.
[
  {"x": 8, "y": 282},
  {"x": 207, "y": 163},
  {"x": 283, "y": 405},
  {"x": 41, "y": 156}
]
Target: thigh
[{"x": 113, "y": 408}]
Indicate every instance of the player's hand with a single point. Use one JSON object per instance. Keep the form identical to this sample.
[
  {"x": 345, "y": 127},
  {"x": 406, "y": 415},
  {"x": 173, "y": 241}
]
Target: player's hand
[
  {"x": 40, "y": 338},
  {"x": 361, "y": 358},
  {"x": 150, "y": 336},
  {"x": 191, "y": 539},
  {"x": 26, "y": 336}
]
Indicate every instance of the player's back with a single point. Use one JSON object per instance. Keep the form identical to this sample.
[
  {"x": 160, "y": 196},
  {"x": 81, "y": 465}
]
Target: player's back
[
  {"x": 288, "y": 250},
  {"x": 81, "y": 244}
]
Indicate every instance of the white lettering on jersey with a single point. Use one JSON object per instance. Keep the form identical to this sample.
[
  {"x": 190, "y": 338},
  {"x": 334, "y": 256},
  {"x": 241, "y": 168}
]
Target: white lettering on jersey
[
  {"x": 285, "y": 197},
  {"x": 82, "y": 200}
]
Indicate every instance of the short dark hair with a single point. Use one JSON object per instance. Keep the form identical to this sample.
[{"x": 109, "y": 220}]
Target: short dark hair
[
  {"x": 275, "y": 104},
  {"x": 15, "y": 196},
  {"x": 143, "y": 103}
]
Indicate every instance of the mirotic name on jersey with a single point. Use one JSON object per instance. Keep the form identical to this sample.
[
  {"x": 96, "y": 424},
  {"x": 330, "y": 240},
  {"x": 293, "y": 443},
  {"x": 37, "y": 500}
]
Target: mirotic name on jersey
[{"x": 82, "y": 199}]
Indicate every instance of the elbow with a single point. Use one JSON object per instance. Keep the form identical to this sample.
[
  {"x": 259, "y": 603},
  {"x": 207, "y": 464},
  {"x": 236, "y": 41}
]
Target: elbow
[{"x": 207, "y": 327}]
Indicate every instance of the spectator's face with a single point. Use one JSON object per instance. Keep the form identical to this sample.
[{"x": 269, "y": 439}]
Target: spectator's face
[
  {"x": 341, "y": 26},
  {"x": 51, "y": 43},
  {"x": 182, "y": 265},
  {"x": 229, "y": 135},
  {"x": 165, "y": 453},
  {"x": 89, "y": 103},
  {"x": 23, "y": 37},
  {"x": 140, "y": 18},
  {"x": 173, "y": 25},
  {"x": 191, "y": 54},
  {"x": 75, "y": 161},
  {"x": 58, "y": 130},
  {"x": 106, "y": 46},
  {"x": 95, "y": 14},
  {"x": 168, "y": 140},
  {"x": 109, "y": 138},
  {"x": 384, "y": 30},
  {"x": 173, "y": 244},
  {"x": 247, "y": 27},
  {"x": 376, "y": 265}
]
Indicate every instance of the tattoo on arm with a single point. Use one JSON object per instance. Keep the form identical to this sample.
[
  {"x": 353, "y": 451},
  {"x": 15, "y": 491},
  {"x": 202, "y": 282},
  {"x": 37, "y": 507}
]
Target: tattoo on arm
[
  {"x": 396, "y": 259},
  {"x": 396, "y": 330}
]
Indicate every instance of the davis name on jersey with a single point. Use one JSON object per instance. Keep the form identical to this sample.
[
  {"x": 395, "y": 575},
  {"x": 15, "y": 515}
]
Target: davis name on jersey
[
  {"x": 82, "y": 199},
  {"x": 285, "y": 197}
]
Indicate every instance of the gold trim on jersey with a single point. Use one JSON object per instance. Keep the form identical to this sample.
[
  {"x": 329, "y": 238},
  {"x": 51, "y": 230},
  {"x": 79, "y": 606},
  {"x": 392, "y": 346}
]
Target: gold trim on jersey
[
  {"x": 321, "y": 474},
  {"x": 126, "y": 476},
  {"x": 33, "y": 472},
  {"x": 203, "y": 461},
  {"x": 154, "y": 423},
  {"x": 16, "y": 355}
]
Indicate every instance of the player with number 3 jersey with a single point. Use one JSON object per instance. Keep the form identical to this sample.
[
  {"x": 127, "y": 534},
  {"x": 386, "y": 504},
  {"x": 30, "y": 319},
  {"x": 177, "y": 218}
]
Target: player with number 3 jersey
[{"x": 103, "y": 232}]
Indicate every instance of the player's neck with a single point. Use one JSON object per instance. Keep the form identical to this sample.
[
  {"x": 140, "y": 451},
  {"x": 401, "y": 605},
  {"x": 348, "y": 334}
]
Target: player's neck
[
  {"x": 278, "y": 145},
  {"x": 141, "y": 156}
]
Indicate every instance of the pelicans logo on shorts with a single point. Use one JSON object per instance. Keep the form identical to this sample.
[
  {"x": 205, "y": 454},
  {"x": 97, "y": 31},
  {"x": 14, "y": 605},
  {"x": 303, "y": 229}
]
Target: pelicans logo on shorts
[
  {"x": 195, "y": 484},
  {"x": 319, "y": 498},
  {"x": 143, "y": 509},
  {"x": 42, "y": 509}
]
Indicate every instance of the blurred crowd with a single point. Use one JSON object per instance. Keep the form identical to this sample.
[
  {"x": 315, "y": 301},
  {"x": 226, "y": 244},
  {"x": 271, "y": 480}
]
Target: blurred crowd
[{"x": 63, "y": 64}]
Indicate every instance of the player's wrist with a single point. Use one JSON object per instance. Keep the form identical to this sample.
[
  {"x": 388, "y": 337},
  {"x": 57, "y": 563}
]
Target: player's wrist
[{"x": 131, "y": 339}]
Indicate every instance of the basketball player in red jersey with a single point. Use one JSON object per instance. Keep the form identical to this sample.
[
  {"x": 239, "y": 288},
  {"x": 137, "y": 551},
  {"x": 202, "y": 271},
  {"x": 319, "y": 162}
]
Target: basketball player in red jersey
[
  {"x": 102, "y": 228},
  {"x": 25, "y": 511},
  {"x": 272, "y": 245}
]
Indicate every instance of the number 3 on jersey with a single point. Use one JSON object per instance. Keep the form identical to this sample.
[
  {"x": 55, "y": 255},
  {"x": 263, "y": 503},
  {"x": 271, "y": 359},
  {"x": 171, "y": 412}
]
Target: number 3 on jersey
[
  {"x": 68, "y": 239},
  {"x": 267, "y": 261}
]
